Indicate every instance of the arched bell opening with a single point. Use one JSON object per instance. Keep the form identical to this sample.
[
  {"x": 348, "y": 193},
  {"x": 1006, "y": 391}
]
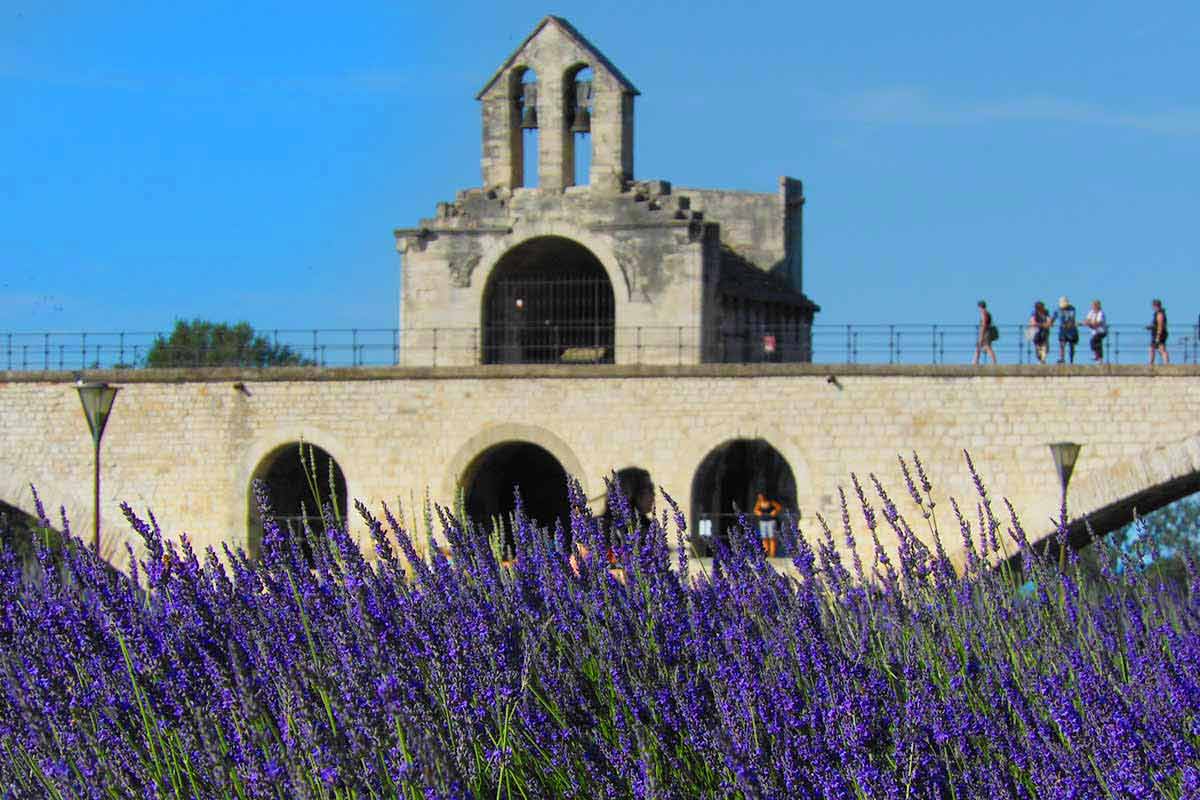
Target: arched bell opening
[
  {"x": 548, "y": 301},
  {"x": 299, "y": 484},
  {"x": 577, "y": 108},
  {"x": 523, "y": 93},
  {"x": 490, "y": 480},
  {"x": 742, "y": 476}
]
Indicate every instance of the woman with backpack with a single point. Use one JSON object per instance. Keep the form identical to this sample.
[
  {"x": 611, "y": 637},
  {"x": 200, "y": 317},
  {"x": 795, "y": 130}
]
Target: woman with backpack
[
  {"x": 986, "y": 334},
  {"x": 1068, "y": 331}
]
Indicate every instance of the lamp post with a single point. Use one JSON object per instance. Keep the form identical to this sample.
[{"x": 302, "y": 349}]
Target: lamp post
[
  {"x": 1065, "y": 454},
  {"x": 97, "y": 400}
]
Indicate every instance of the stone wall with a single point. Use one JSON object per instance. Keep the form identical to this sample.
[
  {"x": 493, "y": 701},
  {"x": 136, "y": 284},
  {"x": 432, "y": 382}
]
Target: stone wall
[
  {"x": 651, "y": 248},
  {"x": 752, "y": 224},
  {"x": 186, "y": 443}
]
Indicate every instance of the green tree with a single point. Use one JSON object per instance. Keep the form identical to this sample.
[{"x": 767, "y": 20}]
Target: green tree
[
  {"x": 1174, "y": 530},
  {"x": 201, "y": 343}
]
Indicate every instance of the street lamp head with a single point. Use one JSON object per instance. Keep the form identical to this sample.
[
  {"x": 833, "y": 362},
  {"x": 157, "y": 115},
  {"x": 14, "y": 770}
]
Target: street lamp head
[
  {"x": 97, "y": 400},
  {"x": 1065, "y": 455}
]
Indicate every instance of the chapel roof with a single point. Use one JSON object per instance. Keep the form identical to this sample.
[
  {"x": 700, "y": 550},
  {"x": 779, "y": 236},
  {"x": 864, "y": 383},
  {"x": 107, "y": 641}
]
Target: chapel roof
[{"x": 580, "y": 39}]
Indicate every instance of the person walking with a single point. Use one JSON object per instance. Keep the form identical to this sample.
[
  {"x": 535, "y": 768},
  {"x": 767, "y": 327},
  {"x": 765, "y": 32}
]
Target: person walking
[
  {"x": 1039, "y": 330},
  {"x": 1158, "y": 332},
  {"x": 1096, "y": 321},
  {"x": 986, "y": 334},
  {"x": 1068, "y": 330}
]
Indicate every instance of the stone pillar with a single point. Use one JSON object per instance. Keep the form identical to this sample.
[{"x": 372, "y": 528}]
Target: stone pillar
[
  {"x": 501, "y": 137},
  {"x": 553, "y": 173},
  {"x": 792, "y": 194},
  {"x": 612, "y": 134}
]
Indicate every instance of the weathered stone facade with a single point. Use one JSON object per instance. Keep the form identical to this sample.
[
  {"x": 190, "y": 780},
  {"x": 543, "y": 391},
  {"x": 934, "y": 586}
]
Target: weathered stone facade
[
  {"x": 703, "y": 272},
  {"x": 188, "y": 443}
]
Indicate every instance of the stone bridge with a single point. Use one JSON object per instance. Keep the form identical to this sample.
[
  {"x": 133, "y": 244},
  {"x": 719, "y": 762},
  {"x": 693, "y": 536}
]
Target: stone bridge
[{"x": 188, "y": 443}]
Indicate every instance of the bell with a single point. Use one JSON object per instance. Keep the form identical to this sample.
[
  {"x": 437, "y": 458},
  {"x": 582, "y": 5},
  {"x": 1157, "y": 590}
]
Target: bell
[
  {"x": 583, "y": 120},
  {"x": 529, "y": 120}
]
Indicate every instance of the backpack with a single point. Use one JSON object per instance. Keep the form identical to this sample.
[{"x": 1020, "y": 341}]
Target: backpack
[{"x": 1068, "y": 328}]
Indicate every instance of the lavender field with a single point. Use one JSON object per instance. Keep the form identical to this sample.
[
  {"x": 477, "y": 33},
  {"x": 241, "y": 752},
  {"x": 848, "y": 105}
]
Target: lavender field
[{"x": 315, "y": 671}]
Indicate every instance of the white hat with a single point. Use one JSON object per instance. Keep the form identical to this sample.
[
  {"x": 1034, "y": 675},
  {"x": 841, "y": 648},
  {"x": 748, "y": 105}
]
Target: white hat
[{"x": 1063, "y": 302}]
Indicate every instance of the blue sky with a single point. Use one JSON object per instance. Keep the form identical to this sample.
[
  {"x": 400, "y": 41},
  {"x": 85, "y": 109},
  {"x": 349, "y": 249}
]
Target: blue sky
[{"x": 249, "y": 161}]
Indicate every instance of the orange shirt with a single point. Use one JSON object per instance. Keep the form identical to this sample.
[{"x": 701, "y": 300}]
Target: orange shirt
[{"x": 764, "y": 507}]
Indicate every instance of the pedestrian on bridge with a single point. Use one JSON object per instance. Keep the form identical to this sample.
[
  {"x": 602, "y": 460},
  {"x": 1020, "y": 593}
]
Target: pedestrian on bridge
[
  {"x": 1096, "y": 321},
  {"x": 1158, "y": 332},
  {"x": 1039, "y": 330},
  {"x": 1068, "y": 330},
  {"x": 986, "y": 334}
]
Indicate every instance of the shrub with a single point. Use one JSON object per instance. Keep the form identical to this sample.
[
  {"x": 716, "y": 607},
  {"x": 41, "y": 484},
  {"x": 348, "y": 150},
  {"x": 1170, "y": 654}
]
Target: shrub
[{"x": 211, "y": 676}]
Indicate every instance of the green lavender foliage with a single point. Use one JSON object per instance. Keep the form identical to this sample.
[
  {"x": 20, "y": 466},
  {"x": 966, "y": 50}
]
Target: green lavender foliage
[{"x": 597, "y": 666}]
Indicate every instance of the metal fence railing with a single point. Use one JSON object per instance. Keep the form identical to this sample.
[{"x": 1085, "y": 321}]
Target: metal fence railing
[
  {"x": 955, "y": 344},
  {"x": 365, "y": 347}
]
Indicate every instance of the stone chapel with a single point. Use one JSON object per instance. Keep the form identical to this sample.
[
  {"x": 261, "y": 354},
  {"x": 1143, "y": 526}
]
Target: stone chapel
[{"x": 564, "y": 256}]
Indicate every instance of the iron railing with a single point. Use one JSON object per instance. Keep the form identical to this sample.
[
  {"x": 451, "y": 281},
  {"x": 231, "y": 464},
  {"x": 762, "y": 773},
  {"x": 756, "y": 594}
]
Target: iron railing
[
  {"x": 708, "y": 526},
  {"x": 534, "y": 320},
  {"x": 366, "y": 347}
]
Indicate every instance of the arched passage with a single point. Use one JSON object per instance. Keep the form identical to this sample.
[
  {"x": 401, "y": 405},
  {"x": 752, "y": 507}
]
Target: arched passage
[
  {"x": 291, "y": 479},
  {"x": 731, "y": 479},
  {"x": 548, "y": 300},
  {"x": 489, "y": 481}
]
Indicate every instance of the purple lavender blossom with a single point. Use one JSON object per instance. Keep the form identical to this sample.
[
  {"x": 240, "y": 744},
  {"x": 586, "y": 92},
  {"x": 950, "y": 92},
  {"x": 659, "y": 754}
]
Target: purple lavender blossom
[{"x": 316, "y": 670}]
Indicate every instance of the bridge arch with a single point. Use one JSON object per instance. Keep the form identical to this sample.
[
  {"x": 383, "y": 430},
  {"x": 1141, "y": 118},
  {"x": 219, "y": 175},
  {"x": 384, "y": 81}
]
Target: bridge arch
[
  {"x": 490, "y": 480},
  {"x": 22, "y": 526},
  {"x": 1104, "y": 500},
  {"x": 276, "y": 460},
  {"x": 503, "y": 442},
  {"x": 18, "y": 504},
  {"x": 730, "y": 480}
]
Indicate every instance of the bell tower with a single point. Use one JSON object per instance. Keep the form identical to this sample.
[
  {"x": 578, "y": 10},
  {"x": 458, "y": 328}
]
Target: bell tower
[
  {"x": 564, "y": 89},
  {"x": 561, "y": 256}
]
